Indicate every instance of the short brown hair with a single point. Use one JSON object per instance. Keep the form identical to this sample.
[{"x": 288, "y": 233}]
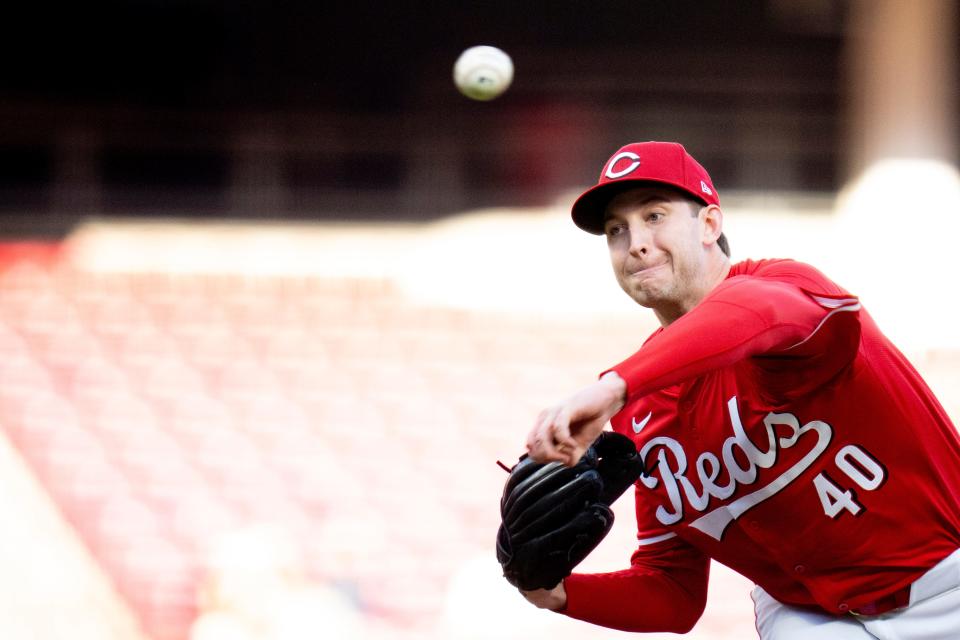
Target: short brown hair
[{"x": 724, "y": 244}]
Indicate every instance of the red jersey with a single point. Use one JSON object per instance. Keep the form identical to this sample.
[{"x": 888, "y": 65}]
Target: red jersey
[{"x": 793, "y": 443}]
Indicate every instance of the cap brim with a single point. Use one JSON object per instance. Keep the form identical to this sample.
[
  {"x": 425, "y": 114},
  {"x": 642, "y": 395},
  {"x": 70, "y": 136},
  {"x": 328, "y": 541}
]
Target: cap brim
[{"x": 589, "y": 210}]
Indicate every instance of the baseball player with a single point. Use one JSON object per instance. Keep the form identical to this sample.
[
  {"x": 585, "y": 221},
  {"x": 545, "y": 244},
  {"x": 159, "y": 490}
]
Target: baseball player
[{"x": 784, "y": 435}]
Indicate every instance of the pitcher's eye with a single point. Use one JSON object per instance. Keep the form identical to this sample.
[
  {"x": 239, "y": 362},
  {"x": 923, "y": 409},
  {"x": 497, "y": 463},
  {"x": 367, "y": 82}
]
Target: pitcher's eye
[{"x": 615, "y": 229}]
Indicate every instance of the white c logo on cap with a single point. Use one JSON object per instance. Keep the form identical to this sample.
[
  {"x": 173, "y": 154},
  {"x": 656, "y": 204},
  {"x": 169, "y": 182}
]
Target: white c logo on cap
[{"x": 613, "y": 175}]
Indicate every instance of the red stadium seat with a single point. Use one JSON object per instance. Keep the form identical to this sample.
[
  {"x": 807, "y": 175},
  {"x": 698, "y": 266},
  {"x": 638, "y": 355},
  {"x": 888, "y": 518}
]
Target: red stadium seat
[{"x": 163, "y": 411}]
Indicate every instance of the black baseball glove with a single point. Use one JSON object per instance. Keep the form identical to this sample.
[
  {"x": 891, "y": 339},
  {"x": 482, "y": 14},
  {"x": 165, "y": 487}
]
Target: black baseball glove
[{"x": 553, "y": 516}]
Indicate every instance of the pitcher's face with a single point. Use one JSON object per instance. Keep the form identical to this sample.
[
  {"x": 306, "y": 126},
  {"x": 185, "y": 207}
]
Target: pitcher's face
[{"x": 657, "y": 249}]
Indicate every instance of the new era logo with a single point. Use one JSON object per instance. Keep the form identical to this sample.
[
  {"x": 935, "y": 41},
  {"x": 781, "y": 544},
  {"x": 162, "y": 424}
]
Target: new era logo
[{"x": 705, "y": 188}]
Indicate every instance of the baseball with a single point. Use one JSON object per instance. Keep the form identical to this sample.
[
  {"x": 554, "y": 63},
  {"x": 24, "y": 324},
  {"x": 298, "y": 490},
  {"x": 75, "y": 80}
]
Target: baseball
[{"x": 483, "y": 72}]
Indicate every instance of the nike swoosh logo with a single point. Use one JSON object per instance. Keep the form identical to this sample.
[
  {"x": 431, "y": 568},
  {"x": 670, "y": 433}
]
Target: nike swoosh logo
[{"x": 638, "y": 426}]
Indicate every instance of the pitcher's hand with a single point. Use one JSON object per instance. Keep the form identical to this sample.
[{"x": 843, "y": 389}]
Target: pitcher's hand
[
  {"x": 553, "y": 599},
  {"x": 563, "y": 432}
]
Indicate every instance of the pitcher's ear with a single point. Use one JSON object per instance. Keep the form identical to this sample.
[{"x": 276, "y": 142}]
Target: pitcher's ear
[{"x": 712, "y": 218}]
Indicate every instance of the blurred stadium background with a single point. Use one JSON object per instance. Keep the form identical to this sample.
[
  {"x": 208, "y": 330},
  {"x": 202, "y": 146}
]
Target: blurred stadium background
[{"x": 274, "y": 298}]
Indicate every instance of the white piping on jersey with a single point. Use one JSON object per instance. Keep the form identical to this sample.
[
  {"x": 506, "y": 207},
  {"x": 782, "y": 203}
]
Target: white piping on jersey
[
  {"x": 836, "y": 305},
  {"x": 833, "y": 303},
  {"x": 643, "y": 542}
]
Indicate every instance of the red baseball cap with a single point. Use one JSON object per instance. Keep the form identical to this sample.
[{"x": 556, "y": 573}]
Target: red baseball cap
[{"x": 665, "y": 163}]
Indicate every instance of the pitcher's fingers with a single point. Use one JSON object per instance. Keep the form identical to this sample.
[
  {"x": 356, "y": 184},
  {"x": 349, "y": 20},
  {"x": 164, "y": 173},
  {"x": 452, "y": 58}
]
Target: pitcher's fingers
[
  {"x": 561, "y": 429},
  {"x": 565, "y": 444},
  {"x": 540, "y": 444},
  {"x": 547, "y": 444},
  {"x": 571, "y": 455},
  {"x": 536, "y": 433}
]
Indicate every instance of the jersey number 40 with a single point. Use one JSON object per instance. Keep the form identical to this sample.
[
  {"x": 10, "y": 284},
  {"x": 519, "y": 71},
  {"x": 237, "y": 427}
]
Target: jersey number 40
[{"x": 860, "y": 467}]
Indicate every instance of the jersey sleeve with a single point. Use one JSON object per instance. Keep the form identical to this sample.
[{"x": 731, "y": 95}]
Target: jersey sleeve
[
  {"x": 781, "y": 313},
  {"x": 665, "y": 590}
]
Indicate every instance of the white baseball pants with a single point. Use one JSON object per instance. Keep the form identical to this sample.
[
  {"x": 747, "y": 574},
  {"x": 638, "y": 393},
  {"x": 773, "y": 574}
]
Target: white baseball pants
[{"x": 933, "y": 614}]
